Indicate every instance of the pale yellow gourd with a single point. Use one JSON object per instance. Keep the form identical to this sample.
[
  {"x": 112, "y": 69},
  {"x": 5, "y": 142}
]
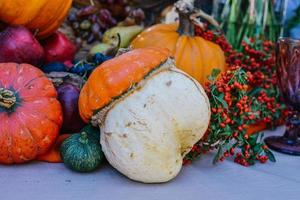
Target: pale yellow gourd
[{"x": 147, "y": 128}]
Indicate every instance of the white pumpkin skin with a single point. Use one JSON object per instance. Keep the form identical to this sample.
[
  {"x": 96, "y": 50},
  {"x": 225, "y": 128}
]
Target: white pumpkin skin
[{"x": 146, "y": 134}]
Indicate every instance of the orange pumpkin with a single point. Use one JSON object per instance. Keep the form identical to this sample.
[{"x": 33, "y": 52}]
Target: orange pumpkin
[
  {"x": 109, "y": 81},
  {"x": 53, "y": 155},
  {"x": 193, "y": 54},
  {"x": 41, "y": 16},
  {"x": 30, "y": 114}
]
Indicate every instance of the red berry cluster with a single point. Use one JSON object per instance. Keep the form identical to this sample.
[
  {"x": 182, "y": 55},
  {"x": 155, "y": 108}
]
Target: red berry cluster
[
  {"x": 217, "y": 38},
  {"x": 242, "y": 158},
  {"x": 241, "y": 98},
  {"x": 257, "y": 58}
]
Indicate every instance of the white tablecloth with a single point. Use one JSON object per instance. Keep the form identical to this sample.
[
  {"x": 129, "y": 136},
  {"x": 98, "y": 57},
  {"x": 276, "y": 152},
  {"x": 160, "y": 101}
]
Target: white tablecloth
[{"x": 199, "y": 181}]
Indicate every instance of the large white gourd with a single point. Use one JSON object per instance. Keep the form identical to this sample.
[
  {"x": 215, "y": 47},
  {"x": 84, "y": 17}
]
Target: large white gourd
[{"x": 146, "y": 133}]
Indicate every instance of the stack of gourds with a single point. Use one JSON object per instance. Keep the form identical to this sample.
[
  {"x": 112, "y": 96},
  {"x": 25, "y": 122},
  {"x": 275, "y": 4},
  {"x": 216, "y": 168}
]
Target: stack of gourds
[{"x": 147, "y": 104}]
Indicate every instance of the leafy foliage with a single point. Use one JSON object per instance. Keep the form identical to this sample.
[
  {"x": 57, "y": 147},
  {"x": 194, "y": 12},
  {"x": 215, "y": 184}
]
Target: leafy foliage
[{"x": 244, "y": 100}]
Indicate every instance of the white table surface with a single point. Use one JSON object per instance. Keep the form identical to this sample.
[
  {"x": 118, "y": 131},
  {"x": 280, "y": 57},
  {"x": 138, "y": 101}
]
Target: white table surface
[{"x": 199, "y": 181}]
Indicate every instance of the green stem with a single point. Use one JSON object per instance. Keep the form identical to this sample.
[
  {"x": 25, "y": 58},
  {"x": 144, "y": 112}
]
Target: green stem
[
  {"x": 7, "y": 98},
  {"x": 83, "y": 138}
]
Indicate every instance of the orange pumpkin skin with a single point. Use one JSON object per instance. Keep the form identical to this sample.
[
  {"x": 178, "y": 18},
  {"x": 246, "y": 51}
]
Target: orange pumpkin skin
[
  {"x": 53, "y": 155},
  {"x": 108, "y": 81},
  {"x": 193, "y": 54},
  {"x": 43, "y": 16},
  {"x": 30, "y": 114}
]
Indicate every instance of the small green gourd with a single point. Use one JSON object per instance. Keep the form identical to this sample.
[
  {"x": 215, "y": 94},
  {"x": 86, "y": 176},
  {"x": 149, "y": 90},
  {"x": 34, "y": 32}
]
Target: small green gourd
[{"x": 82, "y": 152}]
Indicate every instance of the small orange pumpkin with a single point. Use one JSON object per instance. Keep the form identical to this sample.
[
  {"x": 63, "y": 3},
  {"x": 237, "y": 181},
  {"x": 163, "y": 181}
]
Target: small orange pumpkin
[
  {"x": 30, "y": 114},
  {"x": 41, "y": 16},
  {"x": 193, "y": 54}
]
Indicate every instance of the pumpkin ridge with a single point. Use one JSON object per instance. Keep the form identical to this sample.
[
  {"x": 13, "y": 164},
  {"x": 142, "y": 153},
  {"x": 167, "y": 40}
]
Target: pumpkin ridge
[
  {"x": 36, "y": 16},
  {"x": 33, "y": 17},
  {"x": 158, "y": 34},
  {"x": 57, "y": 123},
  {"x": 201, "y": 60},
  {"x": 29, "y": 81},
  {"x": 33, "y": 98},
  {"x": 51, "y": 120},
  {"x": 181, "y": 42},
  {"x": 192, "y": 46},
  {"x": 100, "y": 114},
  {"x": 37, "y": 113},
  {"x": 18, "y": 156},
  {"x": 202, "y": 53},
  {"x": 24, "y": 127},
  {"x": 12, "y": 144},
  {"x": 56, "y": 20},
  {"x": 9, "y": 74},
  {"x": 8, "y": 138}
]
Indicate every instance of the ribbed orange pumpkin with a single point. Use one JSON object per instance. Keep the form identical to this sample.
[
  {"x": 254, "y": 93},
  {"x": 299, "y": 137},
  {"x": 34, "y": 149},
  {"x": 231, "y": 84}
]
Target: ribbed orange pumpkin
[
  {"x": 43, "y": 16},
  {"x": 194, "y": 55},
  {"x": 114, "y": 77},
  {"x": 30, "y": 114}
]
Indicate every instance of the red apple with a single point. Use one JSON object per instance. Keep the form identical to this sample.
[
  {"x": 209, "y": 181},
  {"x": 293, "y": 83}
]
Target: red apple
[
  {"x": 17, "y": 44},
  {"x": 58, "y": 48}
]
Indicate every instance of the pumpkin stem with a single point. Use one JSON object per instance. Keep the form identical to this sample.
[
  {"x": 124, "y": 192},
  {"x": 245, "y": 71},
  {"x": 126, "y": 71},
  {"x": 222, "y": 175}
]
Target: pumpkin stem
[
  {"x": 185, "y": 9},
  {"x": 7, "y": 98},
  {"x": 188, "y": 17},
  {"x": 83, "y": 138}
]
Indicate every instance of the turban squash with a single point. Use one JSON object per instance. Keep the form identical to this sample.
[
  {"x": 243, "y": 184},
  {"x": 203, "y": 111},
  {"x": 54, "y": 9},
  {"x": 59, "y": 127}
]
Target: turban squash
[
  {"x": 150, "y": 113},
  {"x": 41, "y": 16},
  {"x": 30, "y": 115},
  {"x": 193, "y": 54}
]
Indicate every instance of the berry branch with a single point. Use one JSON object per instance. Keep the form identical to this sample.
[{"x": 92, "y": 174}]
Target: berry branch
[{"x": 244, "y": 100}]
